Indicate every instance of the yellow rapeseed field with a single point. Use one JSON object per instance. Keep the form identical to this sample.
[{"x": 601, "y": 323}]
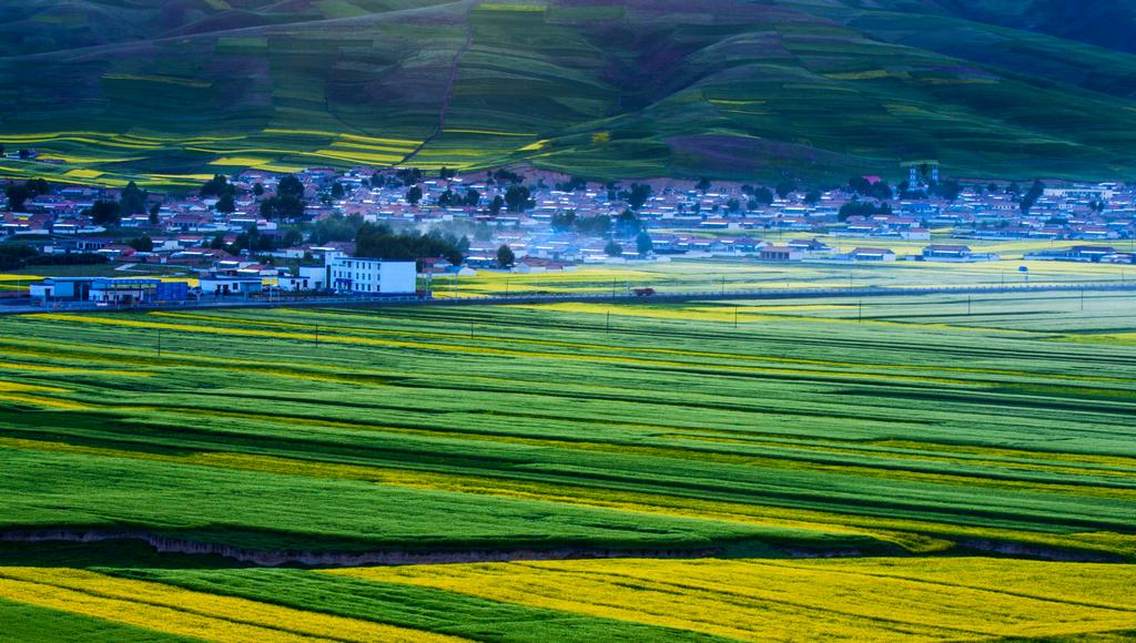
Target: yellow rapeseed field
[
  {"x": 855, "y": 599},
  {"x": 187, "y": 613}
]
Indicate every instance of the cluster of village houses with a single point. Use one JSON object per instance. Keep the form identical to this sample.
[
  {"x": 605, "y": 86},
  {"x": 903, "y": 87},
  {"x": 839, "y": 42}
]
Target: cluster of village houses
[
  {"x": 335, "y": 272},
  {"x": 680, "y": 217}
]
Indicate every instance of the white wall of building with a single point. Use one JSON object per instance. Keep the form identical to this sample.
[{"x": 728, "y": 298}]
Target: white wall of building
[
  {"x": 372, "y": 276},
  {"x": 315, "y": 276},
  {"x": 399, "y": 277}
]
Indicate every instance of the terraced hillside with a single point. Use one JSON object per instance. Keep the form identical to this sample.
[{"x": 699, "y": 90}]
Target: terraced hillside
[
  {"x": 167, "y": 91},
  {"x": 159, "y": 469}
]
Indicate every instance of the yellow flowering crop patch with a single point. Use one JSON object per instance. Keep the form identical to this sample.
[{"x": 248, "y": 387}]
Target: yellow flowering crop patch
[
  {"x": 535, "y": 146},
  {"x": 806, "y": 600},
  {"x": 187, "y": 613},
  {"x": 83, "y": 174}
]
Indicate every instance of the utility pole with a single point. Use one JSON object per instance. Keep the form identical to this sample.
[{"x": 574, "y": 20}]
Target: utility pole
[
  {"x": 1082, "y": 299},
  {"x": 613, "y": 289},
  {"x": 607, "y": 326},
  {"x": 471, "y": 330},
  {"x": 723, "y": 284},
  {"x": 317, "y": 335},
  {"x": 159, "y": 342},
  {"x": 968, "y": 298},
  {"x": 860, "y": 311},
  {"x": 735, "y": 317}
]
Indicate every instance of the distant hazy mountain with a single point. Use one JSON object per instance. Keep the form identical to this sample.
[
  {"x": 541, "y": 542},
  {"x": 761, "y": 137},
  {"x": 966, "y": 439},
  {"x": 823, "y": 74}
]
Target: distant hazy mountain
[
  {"x": 598, "y": 87},
  {"x": 1107, "y": 23}
]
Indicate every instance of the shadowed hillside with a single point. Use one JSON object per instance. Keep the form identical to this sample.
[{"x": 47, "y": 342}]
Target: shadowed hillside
[{"x": 168, "y": 90}]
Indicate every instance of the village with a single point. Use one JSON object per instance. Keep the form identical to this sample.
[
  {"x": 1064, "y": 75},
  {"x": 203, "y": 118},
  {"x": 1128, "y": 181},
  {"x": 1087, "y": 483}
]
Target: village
[{"x": 257, "y": 233}]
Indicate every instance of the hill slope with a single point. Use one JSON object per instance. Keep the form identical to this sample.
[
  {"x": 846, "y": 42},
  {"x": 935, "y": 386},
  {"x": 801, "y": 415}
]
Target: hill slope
[{"x": 605, "y": 88}]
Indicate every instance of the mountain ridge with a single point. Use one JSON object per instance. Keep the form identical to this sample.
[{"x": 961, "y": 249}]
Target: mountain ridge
[{"x": 607, "y": 89}]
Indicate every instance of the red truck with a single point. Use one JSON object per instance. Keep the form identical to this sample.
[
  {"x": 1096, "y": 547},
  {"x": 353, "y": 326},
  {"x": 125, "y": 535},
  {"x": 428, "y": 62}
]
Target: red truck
[{"x": 643, "y": 292}]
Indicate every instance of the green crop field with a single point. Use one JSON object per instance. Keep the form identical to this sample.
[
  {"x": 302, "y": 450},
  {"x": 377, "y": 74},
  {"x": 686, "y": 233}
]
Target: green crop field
[
  {"x": 109, "y": 90},
  {"x": 708, "y": 275},
  {"x": 703, "y": 454}
]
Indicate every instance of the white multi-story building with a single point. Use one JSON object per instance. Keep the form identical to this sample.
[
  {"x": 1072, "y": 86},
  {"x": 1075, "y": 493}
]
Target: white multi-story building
[{"x": 371, "y": 276}]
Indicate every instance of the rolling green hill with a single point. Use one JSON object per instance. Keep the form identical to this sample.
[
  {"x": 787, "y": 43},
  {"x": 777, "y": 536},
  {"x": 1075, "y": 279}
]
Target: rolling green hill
[{"x": 169, "y": 91}]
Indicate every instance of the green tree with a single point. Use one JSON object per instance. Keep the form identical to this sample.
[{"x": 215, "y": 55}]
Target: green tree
[
  {"x": 38, "y": 186},
  {"x": 133, "y": 199},
  {"x": 1031, "y": 197},
  {"x": 949, "y": 190},
  {"x": 155, "y": 210},
  {"x": 637, "y": 196},
  {"x": 104, "y": 212},
  {"x": 19, "y": 193},
  {"x": 812, "y": 197},
  {"x": 505, "y": 257},
  {"x": 563, "y": 221},
  {"x": 785, "y": 188},
  {"x": 381, "y": 242},
  {"x": 496, "y": 205},
  {"x": 518, "y": 198},
  {"x": 142, "y": 244},
  {"x": 217, "y": 186},
  {"x": 613, "y": 249},
  {"x": 414, "y": 195},
  {"x": 597, "y": 226},
  {"x": 703, "y": 185},
  {"x": 409, "y": 176},
  {"x": 763, "y": 195},
  {"x": 258, "y": 189},
  {"x": 627, "y": 224},
  {"x": 226, "y": 204},
  {"x": 17, "y": 196},
  {"x": 291, "y": 237},
  {"x": 862, "y": 209},
  {"x": 336, "y": 228},
  {"x": 290, "y": 186},
  {"x": 643, "y": 243}
]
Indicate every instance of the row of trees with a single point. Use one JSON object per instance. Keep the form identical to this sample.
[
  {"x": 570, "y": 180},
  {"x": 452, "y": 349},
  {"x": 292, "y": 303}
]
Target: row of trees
[
  {"x": 856, "y": 208},
  {"x": 14, "y": 256},
  {"x": 132, "y": 200},
  {"x": 19, "y": 193},
  {"x": 381, "y": 241}
]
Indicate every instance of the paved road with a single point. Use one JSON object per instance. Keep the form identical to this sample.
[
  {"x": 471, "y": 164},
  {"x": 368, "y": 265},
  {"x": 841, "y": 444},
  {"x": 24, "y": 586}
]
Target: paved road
[{"x": 12, "y": 308}]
